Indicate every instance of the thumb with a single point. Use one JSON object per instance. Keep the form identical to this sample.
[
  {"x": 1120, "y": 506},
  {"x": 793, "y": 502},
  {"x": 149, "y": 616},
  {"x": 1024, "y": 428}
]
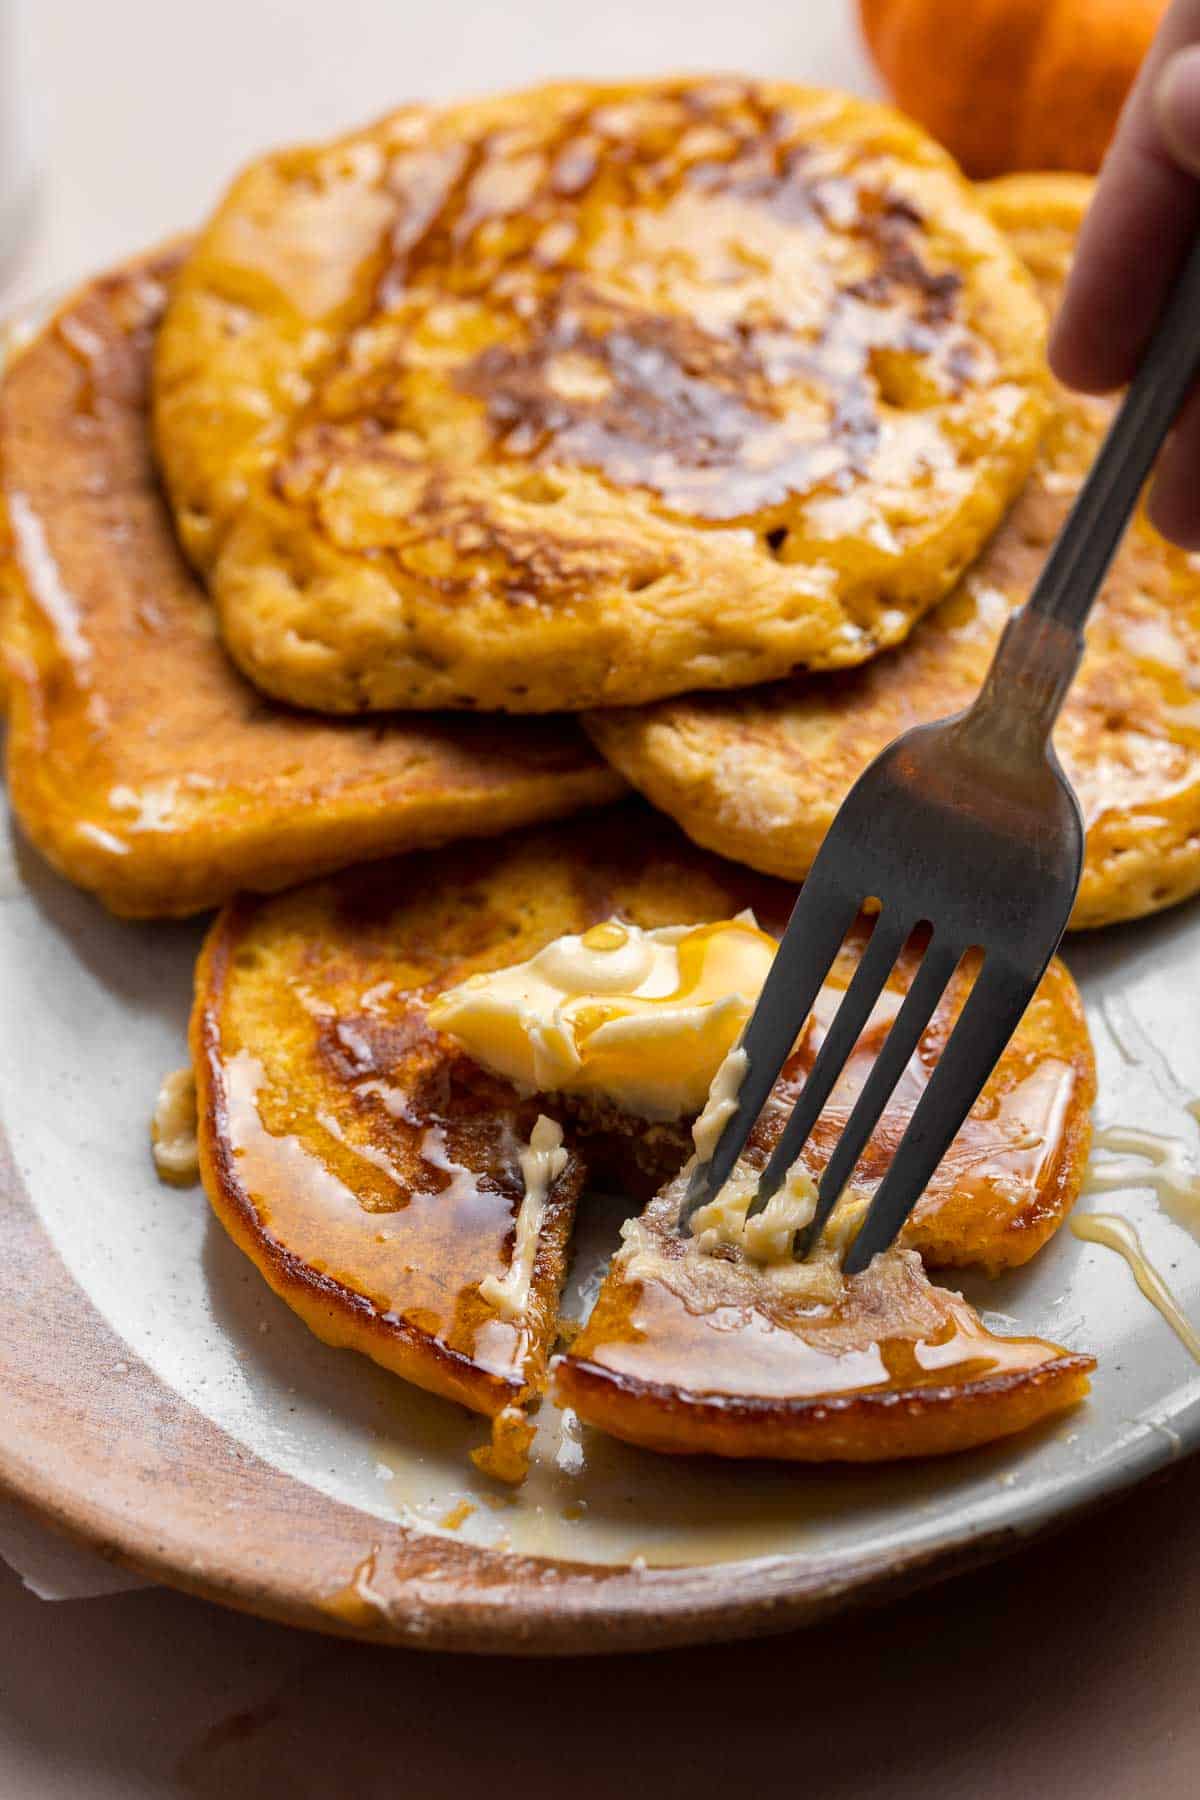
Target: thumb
[{"x": 1177, "y": 107}]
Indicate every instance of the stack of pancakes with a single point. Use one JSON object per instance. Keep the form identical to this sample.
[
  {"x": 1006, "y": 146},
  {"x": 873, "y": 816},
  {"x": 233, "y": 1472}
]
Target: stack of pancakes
[{"x": 692, "y": 436}]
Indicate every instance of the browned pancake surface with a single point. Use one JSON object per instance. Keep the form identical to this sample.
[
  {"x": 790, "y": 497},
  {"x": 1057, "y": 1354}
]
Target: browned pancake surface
[
  {"x": 592, "y": 393},
  {"x": 140, "y": 761}
]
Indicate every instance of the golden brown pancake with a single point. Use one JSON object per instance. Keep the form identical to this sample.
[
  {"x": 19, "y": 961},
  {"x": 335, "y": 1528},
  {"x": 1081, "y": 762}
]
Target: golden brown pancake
[
  {"x": 368, "y": 1166},
  {"x": 586, "y": 395},
  {"x": 139, "y": 760},
  {"x": 760, "y": 775},
  {"x": 687, "y": 1353}
]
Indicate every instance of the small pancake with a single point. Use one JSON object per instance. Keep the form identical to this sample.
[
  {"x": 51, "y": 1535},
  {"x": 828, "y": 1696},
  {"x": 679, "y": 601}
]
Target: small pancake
[
  {"x": 586, "y": 395},
  {"x": 760, "y": 775},
  {"x": 139, "y": 760},
  {"x": 368, "y": 1166}
]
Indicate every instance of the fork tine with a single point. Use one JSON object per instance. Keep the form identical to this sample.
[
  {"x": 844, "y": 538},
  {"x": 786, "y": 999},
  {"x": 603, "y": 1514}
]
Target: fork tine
[
  {"x": 992, "y": 1013},
  {"x": 874, "y": 966},
  {"x": 821, "y": 917},
  {"x": 937, "y": 966}
]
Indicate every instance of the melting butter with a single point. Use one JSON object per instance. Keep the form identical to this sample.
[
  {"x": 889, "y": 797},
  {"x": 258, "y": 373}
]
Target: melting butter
[
  {"x": 767, "y": 1236},
  {"x": 173, "y": 1129},
  {"x": 766, "y": 1239},
  {"x": 721, "y": 1104},
  {"x": 1118, "y": 1234},
  {"x": 644, "y": 1018},
  {"x": 506, "y": 1457},
  {"x": 541, "y": 1165}
]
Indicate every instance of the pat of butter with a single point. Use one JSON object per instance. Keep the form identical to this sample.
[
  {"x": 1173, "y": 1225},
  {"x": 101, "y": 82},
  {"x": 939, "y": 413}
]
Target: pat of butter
[
  {"x": 643, "y": 1018},
  {"x": 173, "y": 1130},
  {"x": 721, "y": 1103}
]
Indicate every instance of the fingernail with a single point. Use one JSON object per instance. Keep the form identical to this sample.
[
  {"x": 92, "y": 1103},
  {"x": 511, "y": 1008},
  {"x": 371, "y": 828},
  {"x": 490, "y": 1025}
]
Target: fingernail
[{"x": 1177, "y": 107}]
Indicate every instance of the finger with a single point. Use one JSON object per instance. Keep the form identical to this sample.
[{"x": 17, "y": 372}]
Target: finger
[
  {"x": 1173, "y": 504},
  {"x": 1137, "y": 231},
  {"x": 1177, "y": 108}
]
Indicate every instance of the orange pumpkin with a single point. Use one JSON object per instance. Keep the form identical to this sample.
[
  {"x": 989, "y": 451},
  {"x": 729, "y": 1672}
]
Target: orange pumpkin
[{"x": 1012, "y": 84}]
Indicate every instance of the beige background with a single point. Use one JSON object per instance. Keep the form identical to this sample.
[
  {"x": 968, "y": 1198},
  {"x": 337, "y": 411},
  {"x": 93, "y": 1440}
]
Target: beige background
[{"x": 1068, "y": 1671}]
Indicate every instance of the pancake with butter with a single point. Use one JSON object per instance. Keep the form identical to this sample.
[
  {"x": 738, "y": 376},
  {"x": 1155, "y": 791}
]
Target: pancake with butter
[
  {"x": 139, "y": 760},
  {"x": 587, "y": 395},
  {"x": 371, "y": 1164},
  {"x": 760, "y": 775},
  {"x": 686, "y": 1351}
]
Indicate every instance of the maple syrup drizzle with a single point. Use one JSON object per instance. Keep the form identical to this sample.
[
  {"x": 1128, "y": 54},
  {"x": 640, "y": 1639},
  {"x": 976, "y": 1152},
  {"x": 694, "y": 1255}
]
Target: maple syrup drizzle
[
  {"x": 419, "y": 1259},
  {"x": 1118, "y": 1234},
  {"x": 1147, "y": 1159}
]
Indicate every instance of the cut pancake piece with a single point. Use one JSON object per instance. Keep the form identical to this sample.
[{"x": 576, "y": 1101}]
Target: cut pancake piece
[
  {"x": 687, "y": 1351},
  {"x": 139, "y": 761},
  {"x": 372, "y": 1174},
  {"x": 590, "y": 394},
  {"x": 760, "y": 775},
  {"x": 371, "y": 1168}
]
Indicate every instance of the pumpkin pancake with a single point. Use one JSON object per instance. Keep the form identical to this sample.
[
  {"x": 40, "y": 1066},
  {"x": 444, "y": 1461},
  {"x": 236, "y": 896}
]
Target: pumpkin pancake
[
  {"x": 370, "y": 1167},
  {"x": 139, "y": 760},
  {"x": 760, "y": 775},
  {"x": 688, "y": 1352},
  {"x": 587, "y": 395}
]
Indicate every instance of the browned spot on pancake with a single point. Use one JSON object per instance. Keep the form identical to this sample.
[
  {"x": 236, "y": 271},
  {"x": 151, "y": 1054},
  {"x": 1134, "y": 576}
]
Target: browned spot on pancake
[
  {"x": 361, "y": 1043},
  {"x": 657, "y": 399},
  {"x": 759, "y": 775}
]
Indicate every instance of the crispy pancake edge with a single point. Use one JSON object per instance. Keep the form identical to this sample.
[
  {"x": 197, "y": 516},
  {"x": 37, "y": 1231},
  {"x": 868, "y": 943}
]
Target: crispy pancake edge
[
  {"x": 898, "y": 1424},
  {"x": 1033, "y": 1227},
  {"x": 335, "y": 1313}
]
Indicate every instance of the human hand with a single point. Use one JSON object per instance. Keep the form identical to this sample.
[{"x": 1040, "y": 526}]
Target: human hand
[{"x": 1138, "y": 230}]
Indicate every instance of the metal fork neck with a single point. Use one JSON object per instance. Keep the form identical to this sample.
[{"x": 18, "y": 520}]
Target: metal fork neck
[{"x": 1033, "y": 667}]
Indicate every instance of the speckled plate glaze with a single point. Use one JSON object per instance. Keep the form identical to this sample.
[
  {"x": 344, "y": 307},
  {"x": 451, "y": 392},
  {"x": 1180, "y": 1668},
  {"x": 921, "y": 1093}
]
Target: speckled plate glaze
[{"x": 163, "y": 1405}]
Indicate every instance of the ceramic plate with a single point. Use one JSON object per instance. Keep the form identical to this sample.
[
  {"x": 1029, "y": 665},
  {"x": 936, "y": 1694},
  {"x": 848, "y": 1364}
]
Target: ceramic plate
[{"x": 161, "y": 1403}]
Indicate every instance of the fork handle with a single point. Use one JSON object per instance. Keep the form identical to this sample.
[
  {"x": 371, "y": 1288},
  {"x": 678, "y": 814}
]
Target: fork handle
[{"x": 1085, "y": 546}]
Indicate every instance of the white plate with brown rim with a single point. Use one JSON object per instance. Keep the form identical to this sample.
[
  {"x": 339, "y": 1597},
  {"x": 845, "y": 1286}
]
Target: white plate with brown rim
[{"x": 162, "y": 1404}]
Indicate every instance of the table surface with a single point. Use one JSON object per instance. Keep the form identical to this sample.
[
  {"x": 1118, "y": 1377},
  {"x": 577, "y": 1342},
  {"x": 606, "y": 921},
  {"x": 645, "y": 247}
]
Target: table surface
[{"x": 1065, "y": 1670}]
